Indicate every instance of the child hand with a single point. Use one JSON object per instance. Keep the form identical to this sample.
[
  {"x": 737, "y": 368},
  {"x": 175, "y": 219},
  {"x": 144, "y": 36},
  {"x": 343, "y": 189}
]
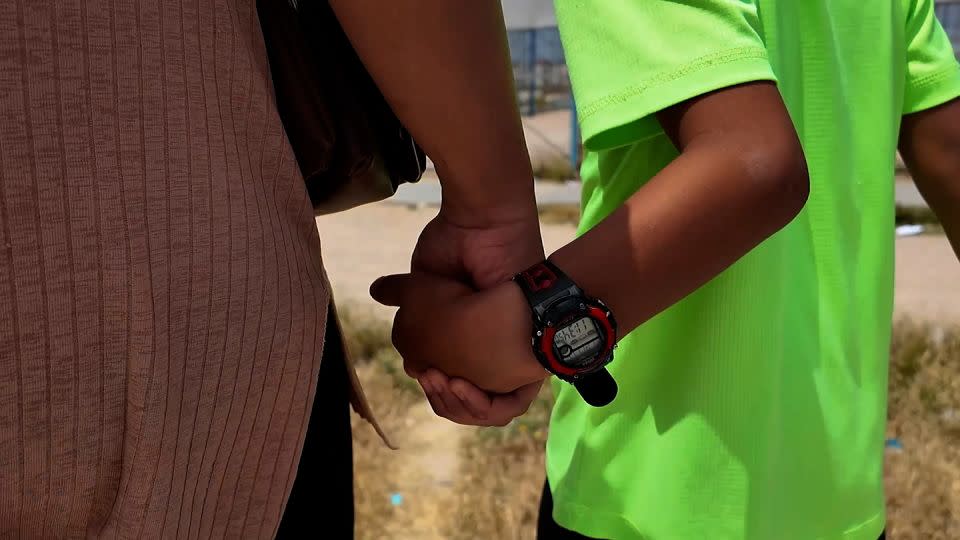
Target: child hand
[{"x": 482, "y": 337}]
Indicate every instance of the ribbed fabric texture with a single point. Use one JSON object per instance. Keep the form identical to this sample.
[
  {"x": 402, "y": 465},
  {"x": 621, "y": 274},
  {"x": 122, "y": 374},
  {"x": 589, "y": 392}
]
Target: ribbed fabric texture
[{"x": 162, "y": 296}]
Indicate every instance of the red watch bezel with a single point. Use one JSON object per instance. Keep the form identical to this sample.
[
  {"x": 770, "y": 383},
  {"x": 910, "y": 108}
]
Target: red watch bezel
[{"x": 546, "y": 335}]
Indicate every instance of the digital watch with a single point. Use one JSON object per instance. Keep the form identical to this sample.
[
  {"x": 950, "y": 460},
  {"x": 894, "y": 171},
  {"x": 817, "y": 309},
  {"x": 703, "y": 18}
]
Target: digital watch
[{"x": 573, "y": 335}]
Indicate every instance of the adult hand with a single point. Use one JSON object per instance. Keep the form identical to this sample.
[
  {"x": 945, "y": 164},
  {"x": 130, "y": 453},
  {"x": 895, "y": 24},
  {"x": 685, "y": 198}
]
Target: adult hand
[
  {"x": 482, "y": 253},
  {"x": 460, "y": 401}
]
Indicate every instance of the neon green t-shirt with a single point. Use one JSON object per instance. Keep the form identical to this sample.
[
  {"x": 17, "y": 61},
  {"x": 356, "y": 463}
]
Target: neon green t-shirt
[{"x": 755, "y": 407}]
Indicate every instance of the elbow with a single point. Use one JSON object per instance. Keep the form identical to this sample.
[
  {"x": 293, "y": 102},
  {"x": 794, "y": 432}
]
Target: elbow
[{"x": 778, "y": 176}]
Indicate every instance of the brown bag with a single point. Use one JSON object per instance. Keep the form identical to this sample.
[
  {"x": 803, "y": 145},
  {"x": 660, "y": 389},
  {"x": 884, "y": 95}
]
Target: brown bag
[{"x": 349, "y": 145}]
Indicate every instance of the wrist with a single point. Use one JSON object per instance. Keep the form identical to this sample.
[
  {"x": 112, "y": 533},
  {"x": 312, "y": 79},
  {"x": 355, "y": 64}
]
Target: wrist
[
  {"x": 487, "y": 201},
  {"x": 472, "y": 215},
  {"x": 575, "y": 334},
  {"x": 505, "y": 310}
]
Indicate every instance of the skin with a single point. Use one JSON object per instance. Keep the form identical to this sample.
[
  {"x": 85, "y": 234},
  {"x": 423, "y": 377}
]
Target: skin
[
  {"x": 445, "y": 69},
  {"x": 739, "y": 178},
  {"x": 930, "y": 146},
  {"x": 739, "y": 163}
]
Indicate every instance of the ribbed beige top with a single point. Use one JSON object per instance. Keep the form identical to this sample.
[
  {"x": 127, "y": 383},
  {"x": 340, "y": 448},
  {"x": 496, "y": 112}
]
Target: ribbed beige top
[{"x": 162, "y": 299}]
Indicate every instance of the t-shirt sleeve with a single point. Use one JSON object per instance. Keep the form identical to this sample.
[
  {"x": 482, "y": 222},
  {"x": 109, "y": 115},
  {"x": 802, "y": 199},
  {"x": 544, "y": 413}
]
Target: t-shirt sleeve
[
  {"x": 629, "y": 59},
  {"x": 932, "y": 72}
]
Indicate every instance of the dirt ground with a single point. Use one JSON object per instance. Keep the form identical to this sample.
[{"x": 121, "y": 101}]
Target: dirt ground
[{"x": 927, "y": 279}]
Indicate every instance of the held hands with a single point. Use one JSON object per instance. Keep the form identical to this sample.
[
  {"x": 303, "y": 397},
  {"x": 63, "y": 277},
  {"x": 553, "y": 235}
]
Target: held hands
[
  {"x": 461, "y": 402},
  {"x": 449, "y": 334},
  {"x": 483, "y": 337},
  {"x": 479, "y": 253}
]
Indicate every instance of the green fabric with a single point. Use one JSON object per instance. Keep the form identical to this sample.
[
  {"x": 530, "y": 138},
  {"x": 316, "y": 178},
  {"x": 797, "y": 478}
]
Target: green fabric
[{"x": 754, "y": 408}]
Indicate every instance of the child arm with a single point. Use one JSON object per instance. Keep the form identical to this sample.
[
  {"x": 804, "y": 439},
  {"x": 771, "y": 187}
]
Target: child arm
[
  {"x": 740, "y": 177},
  {"x": 930, "y": 146}
]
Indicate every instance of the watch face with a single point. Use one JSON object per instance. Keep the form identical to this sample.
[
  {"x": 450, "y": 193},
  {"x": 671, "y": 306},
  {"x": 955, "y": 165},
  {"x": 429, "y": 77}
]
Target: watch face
[{"x": 579, "y": 342}]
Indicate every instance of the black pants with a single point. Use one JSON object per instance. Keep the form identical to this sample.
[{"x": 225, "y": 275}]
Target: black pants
[
  {"x": 548, "y": 529},
  {"x": 321, "y": 500}
]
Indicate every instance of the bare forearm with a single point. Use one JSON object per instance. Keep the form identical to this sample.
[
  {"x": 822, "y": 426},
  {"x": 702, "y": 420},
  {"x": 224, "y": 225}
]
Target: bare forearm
[
  {"x": 445, "y": 69},
  {"x": 946, "y": 205},
  {"x": 930, "y": 145},
  {"x": 696, "y": 218},
  {"x": 740, "y": 177},
  {"x": 699, "y": 215}
]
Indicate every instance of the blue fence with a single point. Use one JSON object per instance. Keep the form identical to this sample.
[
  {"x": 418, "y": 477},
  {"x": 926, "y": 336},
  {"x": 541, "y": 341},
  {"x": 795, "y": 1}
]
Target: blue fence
[
  {"x": 541, "y": 72},
  {"x": 949, "y": 14},
  {"x": 539, "y": 69}
]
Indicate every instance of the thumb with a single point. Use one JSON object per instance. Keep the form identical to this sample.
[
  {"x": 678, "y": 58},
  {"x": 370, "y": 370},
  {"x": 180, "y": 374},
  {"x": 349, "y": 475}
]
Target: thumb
[
  {"x": 396, "y": 289},
  {"x": 390, "y": 290}
]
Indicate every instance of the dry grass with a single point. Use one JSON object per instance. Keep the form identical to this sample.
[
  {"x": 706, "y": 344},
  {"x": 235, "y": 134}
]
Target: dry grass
[
  {"x": 392, "y": 395},
  {"x": 378, "y": 476},
  {"x": 497, "y": 494},
  {"x": 503, "y": 475},
  {"x": 560, "y": 214},
  {"x": 555, "y": 168},
  {"x": 365, "y": 335},
  {"x": 923, "y": 480}
]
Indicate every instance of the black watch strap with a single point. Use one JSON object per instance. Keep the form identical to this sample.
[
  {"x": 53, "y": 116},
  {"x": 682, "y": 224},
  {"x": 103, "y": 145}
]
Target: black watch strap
[{"x": 543, "y": 284}]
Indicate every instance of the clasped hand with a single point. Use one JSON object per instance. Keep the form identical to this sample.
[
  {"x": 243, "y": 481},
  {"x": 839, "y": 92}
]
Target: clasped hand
[{"x": 462, "y": 328}]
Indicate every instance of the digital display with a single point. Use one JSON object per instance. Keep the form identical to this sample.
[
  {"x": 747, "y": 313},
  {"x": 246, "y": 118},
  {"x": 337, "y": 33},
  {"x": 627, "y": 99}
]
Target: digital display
[{"x": 578, "y": 342}]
